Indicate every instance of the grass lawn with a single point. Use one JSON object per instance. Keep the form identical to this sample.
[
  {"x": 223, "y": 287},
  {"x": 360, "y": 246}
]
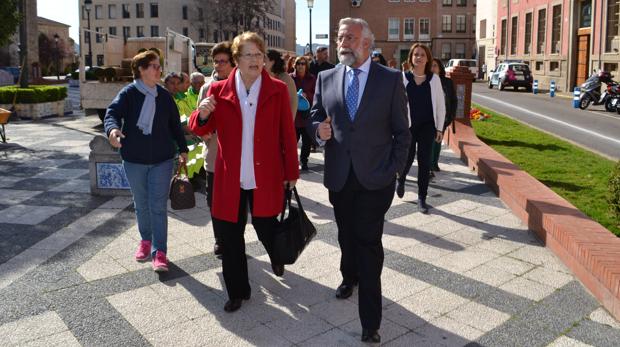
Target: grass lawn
[{"x": 576, "y": 174}]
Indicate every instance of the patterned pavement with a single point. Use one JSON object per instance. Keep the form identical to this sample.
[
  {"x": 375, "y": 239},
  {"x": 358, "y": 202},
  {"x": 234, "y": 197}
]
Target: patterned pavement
[{"x": 467, "y": 274}]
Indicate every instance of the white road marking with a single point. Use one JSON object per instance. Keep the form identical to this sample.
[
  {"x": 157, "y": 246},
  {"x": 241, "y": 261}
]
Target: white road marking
[{"x": 539, "y": 115}]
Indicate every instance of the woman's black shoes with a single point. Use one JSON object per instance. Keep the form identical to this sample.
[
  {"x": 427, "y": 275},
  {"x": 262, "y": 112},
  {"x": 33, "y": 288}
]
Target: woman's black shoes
[
  {"x": 400, "y": 188},
  {"x": 371, "y": 336},
  {"x": 422, "y": 206},
  {"x": 233, "y": 305},
  {"x": 278, "y": 269}
]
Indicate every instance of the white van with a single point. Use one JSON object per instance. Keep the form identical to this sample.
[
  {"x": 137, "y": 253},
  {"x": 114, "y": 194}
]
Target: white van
[{"x": 472, "y": 64}]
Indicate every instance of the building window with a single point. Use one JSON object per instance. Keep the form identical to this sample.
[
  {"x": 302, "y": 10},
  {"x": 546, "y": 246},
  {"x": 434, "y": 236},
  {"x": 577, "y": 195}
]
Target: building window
[
  {"x": 216, "y": 36},
  {"x": 112, "y": 30},
  {"x": 447, "y": 2},
  {"x": 461, "y": 3},
  {"x": 409, "y": 29},
  {"x": 186, "y": 33},
  {"x": 446, "y": 23},
  {"x": 513, "y": 35},
  {"x": 393, "y": 28},
  {"x": 585, "y": 14},
  {"x": 100, "y": 60},
  {"x": 556, "y": 28},
  {"x": 446, "y": 51},
  {"x": 502, "y": 46},
  {"x": 425, "y": 28},
  {"x": 87, "y": 36},
  {"x": 527, "y": 47},
  {"x": 98, "y": 12},
  {"x": 611, "y": 67},
  {"x": 554, "y": 65},
  {"x": 459, "y": 51},
  {"x": 126, "y": 32},
  {"x": 112, "y": 11},
  {"x": 139, "y": 10},
  {"x": 540, "y": 65},
  {"x": 394, "y": 0},
  {"x": 184, "y": 9},
  {"x": 154, "y": 30},
  {"x": 201, "y": 34},
  {"x": 473, "y": 24},
  {"x": 483, "y": 29},
  {"x": 140, "y": 31},
  {"x": 97, "y": 36},
  {"x": 154, "y": 10},
  {"x": 540, "y": 34},
  {"x": 460, "y": 23},
  {"x": 125, "y": 10},
  {"x": 200, "y": 14},
  {"x": 611, "y": 36}
]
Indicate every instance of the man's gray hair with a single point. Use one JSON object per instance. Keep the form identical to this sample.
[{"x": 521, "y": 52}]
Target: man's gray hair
[
  {"x": 366, "y": 32},
  {"x": 195, "y": 75}
]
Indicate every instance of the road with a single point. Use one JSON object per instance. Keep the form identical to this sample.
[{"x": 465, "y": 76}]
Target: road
[{"x": 593, "y": 129}]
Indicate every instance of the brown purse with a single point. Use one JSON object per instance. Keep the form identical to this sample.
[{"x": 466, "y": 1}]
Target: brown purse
[{"x": 181, "y": 191}]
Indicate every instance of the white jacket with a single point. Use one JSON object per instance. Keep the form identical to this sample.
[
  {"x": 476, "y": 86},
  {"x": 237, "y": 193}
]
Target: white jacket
[{"x": 437, "y": 98}]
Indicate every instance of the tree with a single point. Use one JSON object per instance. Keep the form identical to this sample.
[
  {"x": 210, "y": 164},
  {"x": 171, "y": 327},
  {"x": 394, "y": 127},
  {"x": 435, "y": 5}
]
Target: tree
[
  {"x": 9, "y": 20},
  {"x": 232, "y": 17},
  {"x": 49, "y": 54}
]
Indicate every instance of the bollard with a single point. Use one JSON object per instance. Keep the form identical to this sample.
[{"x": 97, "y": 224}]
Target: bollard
[
  {"x": 576, "y": 95},
  {"x": 535, "y": 87},
  {"x": 552, "y": 89}
]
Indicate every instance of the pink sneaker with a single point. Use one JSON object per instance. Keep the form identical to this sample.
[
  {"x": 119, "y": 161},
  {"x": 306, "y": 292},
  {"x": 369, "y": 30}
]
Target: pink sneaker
[
  {"x": 160, "y": 262},
  {"x": 144, "y": 250}
]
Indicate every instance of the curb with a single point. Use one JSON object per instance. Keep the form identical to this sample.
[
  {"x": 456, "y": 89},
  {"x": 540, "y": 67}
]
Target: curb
[{"x": 588, "y": 249}]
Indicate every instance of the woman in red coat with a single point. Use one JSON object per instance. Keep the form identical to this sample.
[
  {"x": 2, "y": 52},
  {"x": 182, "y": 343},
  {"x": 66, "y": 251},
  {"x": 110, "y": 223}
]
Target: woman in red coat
[{"x": 256, "y": 159}]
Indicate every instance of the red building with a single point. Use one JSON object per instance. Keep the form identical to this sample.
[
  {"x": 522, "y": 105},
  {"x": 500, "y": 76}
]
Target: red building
[{"x": 561, "y": 40}]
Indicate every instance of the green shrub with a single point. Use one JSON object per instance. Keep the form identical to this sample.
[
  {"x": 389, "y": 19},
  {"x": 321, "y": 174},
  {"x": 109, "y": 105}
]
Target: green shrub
[
  {"x": 34, "y": 94},
  {"x": 614, "y": 192}
]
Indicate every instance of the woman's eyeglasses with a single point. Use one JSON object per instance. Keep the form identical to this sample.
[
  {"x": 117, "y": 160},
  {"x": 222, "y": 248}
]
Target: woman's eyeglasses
[
  {"x": 220, "y": 61},
  {"x": 155, "y": 66}
]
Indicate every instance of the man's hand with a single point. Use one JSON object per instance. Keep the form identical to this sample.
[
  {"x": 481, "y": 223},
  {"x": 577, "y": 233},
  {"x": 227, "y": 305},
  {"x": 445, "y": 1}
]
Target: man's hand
[
  {"x": 290, "y": 184},
  {"x": 183, "y": 158},
  {"x": 325, "y": 129},
  {"x": 115, "y": 138},
  {"x": 207, "y": 106},
  {"x": 439, "y": 136}
]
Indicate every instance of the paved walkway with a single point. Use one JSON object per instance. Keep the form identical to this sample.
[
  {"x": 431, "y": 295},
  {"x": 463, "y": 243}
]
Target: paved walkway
[{"x": 467, "y": 274}]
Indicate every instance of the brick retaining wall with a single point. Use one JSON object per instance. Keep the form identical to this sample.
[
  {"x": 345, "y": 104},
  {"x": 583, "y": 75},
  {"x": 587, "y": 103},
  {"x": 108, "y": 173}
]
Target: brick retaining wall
[{"x": 587, "y": 248}]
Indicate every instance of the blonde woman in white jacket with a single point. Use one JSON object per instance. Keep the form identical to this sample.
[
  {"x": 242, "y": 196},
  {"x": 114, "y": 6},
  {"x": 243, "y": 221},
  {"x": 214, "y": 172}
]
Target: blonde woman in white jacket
[{"x": 427, "y": 112}]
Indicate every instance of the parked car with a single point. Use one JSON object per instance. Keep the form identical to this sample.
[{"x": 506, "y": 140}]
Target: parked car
[
  {"x": 469, "y": 63},
  {"x": 13, "y": 71},
  {"x": 511, "y": 74}
]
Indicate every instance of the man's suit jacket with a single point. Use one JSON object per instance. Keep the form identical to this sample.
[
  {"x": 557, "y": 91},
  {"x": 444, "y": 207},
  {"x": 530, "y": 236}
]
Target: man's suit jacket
[{"x": 377, "y": 141}]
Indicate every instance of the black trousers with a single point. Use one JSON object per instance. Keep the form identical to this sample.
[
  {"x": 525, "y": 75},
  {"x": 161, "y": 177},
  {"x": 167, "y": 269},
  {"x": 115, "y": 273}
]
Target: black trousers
[
  {"x": 422, "y": 137},
  {"x": 359, "y": 215},
  {"x": 306, "y": 142},
  {"x": 234, "y": 261},
  {"x": 210, "y": 176}
]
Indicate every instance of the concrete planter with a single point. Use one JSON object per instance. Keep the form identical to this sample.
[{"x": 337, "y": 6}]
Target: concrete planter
[{"x": 38, "y": 111}]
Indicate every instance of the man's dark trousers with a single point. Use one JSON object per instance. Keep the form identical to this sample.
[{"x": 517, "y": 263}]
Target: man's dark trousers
[{"x": 359, "y": 215}]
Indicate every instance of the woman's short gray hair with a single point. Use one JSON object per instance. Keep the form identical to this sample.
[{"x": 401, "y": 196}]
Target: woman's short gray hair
[{"x": 366, "y": 32}]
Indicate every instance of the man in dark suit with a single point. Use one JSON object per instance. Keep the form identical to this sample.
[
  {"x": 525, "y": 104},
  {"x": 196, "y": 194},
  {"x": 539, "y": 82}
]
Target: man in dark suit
[{"x": 360, "y": 116}]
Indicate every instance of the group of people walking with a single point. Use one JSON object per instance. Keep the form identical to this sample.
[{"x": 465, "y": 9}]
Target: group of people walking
[{"x": 370, "y": 119}]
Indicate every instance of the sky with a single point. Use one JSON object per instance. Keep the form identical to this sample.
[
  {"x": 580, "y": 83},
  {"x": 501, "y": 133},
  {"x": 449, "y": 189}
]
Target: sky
[{"x": 66, "y": 11}]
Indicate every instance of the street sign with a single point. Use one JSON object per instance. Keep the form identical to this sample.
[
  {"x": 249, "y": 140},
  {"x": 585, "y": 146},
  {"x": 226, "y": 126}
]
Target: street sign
[{"x": 321, "y": 36}]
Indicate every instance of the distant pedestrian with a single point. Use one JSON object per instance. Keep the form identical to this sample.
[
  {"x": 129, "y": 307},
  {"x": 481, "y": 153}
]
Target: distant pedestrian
[
  {"x": 427, "y": 110},
  {"x": 378, "y": 58},
  {"x": 305, "y": 82},
  {"x": 274, "y": 64},
  {"x": 451, "y": 101},
  {"x": 321, "y": 62},
  {"x": 143, "y": 122}
]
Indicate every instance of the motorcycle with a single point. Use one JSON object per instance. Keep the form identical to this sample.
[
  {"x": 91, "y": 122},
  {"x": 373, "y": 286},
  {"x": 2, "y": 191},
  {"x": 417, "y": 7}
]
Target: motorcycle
[
  {"x": 591, "y": 89},
  {"x": 613, "y": 97}
]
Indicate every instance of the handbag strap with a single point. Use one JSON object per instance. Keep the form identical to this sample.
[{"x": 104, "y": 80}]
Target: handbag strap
[
  {"x": 301, "y": 208},
  {"x": 182, "y": 167},
  {"x": 287, "y": 202}
]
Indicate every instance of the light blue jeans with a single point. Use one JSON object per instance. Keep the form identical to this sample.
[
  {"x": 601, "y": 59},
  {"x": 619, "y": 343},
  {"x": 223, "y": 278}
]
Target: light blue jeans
[{"x": 150, "y": 186}]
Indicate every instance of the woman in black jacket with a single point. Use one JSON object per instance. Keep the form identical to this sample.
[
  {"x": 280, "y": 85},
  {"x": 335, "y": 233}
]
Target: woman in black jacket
[{"x": 451, "y": 100}]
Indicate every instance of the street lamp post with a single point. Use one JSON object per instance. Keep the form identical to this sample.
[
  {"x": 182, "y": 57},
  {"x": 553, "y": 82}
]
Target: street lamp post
[
  {"x": 89, "y": 58},
  {"x": 57, "y": 56},
  {"x": 310, "y": 6}
]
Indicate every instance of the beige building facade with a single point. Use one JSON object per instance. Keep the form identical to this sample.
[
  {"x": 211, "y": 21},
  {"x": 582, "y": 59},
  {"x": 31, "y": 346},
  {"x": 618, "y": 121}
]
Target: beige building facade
[{"x": 142, "y": 18}]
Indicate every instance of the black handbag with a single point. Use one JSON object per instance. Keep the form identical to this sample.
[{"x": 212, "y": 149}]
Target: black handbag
[
  {"x": 181, "y": 191},
  {"x": 293, "y": 234}
]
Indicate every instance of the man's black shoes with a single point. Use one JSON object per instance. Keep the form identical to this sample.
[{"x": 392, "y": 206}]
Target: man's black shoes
[
  {"x": 371, "y": 336},
  {"x": 344, "y": 290}
]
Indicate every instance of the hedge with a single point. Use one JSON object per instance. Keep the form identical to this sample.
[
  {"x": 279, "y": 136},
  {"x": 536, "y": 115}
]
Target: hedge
[{"x": 32, "y": 95}]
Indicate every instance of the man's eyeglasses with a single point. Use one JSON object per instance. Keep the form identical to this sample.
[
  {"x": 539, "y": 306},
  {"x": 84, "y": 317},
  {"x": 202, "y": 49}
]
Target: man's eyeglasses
[
  {"x": 249, "y": 56},
  {"x": 155, "y": 66},
  {"x": 220, "y": 61}
]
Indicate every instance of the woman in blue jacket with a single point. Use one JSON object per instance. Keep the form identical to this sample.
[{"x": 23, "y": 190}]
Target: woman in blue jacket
[{"x": 143, "y": 121}]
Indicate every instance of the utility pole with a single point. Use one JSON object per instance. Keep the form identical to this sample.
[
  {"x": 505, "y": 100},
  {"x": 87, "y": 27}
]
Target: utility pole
[{"x": 23, "y": 43}]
